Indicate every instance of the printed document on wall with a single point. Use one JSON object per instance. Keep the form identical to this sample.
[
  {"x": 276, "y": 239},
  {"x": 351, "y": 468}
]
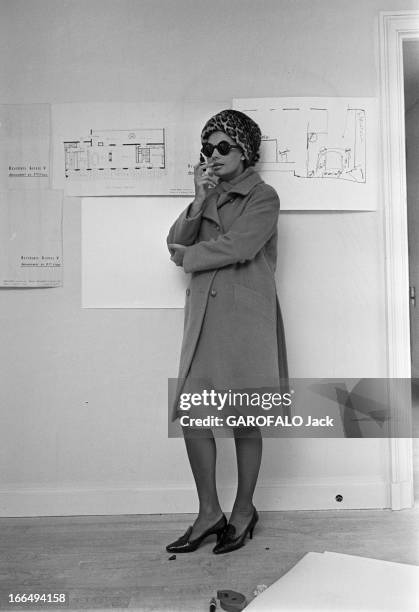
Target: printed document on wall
[
  {"x": 24, "y": 146},
  {"x": 318, "y": 153},
  {"x": 30, "y": 238},
  {"x": 146, "y": 148}
]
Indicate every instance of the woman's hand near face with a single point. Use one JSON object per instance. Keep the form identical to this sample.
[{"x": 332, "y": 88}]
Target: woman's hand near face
[{"x": 205, "y": 180}]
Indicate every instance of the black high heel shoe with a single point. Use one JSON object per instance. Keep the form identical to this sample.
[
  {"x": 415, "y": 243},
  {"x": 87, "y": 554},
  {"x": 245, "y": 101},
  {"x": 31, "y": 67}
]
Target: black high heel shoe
[
  {"x": 229, "y": 541},
  {"x": 184, "y": 544}
]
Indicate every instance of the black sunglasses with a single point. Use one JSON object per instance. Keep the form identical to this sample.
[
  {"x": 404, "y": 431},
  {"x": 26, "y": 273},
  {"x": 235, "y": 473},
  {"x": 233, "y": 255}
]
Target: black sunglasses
[{"x": 222, "y": 147}]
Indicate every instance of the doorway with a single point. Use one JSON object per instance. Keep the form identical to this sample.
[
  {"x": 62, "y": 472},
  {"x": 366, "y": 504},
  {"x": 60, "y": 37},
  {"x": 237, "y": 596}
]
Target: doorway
[
  {"x": 396, "y": 28},
  {"x": 411, "y": 107}
]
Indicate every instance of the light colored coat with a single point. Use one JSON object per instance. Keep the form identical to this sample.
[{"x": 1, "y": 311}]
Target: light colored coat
[{"x": 233, "y": 331}]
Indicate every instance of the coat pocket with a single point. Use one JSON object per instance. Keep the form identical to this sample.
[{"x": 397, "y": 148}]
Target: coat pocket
[{"x": 253, "y": 301}]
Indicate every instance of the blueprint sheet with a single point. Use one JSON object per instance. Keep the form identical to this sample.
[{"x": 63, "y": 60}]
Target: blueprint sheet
[
  {"x": 318, "y": 153},
  {"x": 24, "y": 146},
  {"x": 125, "y": 259},
  {"x": 146, "y": 148},
  {"x": 331, "y": 582},
  {"x": 30, "y": 238}
]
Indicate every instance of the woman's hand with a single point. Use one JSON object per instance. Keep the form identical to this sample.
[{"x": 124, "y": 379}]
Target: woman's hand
[
  {"x": 178, "y": 252},
  {"x": 205, "y": 180}
]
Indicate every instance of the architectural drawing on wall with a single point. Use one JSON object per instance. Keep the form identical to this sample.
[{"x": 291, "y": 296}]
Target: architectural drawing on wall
[
  {"x": 343, "y": 158},
  {"x": 318, "y": 154},
  {"x": 113, "y": 149},
  {"x": 116, "y": 154}
]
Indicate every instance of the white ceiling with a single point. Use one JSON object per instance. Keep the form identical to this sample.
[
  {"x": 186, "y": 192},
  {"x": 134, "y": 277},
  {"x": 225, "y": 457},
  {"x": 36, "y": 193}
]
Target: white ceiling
[{"x": 411, "y": 73}]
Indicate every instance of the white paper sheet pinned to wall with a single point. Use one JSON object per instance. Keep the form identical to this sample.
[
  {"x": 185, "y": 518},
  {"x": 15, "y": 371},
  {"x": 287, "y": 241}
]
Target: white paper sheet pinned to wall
[
  {"x": 318, "y": 153},
  {"x": 146, "y": 148},
  {"x": 125, "y": 260},
  {"x": 30, "y": 238},
  {"x": 24, "y": 146},
  {"x": 327, "y": 582}
]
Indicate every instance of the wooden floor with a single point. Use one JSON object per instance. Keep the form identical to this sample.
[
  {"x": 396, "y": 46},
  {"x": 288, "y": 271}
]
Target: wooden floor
[{"x": 121, "y": 562}]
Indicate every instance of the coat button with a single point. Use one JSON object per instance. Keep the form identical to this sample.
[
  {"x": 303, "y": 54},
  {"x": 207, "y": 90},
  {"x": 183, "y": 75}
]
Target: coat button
[
  {"x": 188, "y": 291},
  {"x": 213, "y": 292}
]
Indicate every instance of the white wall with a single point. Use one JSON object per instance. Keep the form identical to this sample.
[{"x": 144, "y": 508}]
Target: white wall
[{"x": 83, "y": 397}]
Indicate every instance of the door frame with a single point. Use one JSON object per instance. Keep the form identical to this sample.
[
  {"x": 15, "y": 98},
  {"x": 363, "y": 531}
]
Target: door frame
[{"x": 395, "y": 28}]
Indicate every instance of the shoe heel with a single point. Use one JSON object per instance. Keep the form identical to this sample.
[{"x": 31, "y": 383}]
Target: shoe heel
[
  {"x": 219, "y": 534},
  {"x": 254, "y": 521}
]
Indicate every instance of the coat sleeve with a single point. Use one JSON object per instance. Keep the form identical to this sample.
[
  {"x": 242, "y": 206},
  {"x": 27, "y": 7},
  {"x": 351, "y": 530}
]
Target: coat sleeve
[
  {"x": 246, "y": 237},
  {"x": 185, "y": 229}
]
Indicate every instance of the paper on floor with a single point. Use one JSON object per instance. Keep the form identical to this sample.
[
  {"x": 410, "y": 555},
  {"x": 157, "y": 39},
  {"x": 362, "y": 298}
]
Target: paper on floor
[{"x": 336, "y": 582}]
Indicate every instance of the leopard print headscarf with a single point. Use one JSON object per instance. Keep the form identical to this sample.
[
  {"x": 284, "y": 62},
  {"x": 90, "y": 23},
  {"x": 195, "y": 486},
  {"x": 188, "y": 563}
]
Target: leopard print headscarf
[{"x": 241, "y": 128}]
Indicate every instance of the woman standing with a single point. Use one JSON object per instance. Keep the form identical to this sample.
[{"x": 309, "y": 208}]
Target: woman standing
[{"x": 233, "y": 332}]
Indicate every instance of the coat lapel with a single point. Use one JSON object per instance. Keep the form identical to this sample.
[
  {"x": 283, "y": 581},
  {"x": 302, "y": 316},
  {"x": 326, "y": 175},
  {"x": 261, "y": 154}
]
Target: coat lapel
[
  {"x": 225, "y": 190},
  {"x": 241, "y": 185},
  {"x": 210, "y": 211}
]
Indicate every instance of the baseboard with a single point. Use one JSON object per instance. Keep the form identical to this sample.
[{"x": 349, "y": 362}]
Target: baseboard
[
  {"x": 128, "y": 499},
  {"x": 402, "y": 495}
]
